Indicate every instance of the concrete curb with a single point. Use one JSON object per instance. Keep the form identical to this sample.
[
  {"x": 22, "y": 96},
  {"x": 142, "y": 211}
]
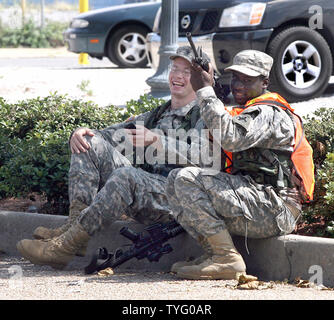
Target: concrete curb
[
  {"x": 278, "y": 258},
  {"x": 15, "y": 226}
]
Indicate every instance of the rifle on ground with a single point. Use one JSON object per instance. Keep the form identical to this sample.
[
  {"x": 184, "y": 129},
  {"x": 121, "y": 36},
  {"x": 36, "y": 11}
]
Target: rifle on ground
[{"x": 148, "y": 244}]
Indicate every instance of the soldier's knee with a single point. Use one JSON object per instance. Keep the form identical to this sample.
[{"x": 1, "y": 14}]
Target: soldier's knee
[
  {"x": 95, "y": 141},
  {"x": 188, "y": 174},
  {"x": 179, "y": 180},
  {"x": 97, "y": 148},
  {"x": 171, "y": 176},
  {"x": 170, "y": 190}
]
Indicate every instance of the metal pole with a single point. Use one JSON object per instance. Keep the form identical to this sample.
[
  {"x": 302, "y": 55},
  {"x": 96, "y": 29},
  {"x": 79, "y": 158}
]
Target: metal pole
[
  {"x": 83, "y": 7},
  {"x": 23, "y": 7},
  {"x": 42, "y": 14},
  {"x": 169, "y": 33}
]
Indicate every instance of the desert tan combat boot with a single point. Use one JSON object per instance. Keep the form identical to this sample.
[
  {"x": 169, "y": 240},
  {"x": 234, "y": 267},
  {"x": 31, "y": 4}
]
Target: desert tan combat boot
[
  {"x": 225, "y": 262},
  {"x": 177, "y": 265},
  {"x": 56, "y": 252},
  {"x": 45, "y": 233}
]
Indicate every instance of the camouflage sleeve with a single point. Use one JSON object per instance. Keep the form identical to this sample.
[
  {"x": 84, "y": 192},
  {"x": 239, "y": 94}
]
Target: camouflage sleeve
[{"x": 259, "y": 126}]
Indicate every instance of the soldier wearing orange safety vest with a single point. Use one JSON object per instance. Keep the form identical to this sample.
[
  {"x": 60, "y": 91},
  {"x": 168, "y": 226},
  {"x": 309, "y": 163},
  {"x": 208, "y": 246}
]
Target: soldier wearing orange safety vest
[
  {"x": 269, "y": 170},
  {"x": 301, "y": 171}
]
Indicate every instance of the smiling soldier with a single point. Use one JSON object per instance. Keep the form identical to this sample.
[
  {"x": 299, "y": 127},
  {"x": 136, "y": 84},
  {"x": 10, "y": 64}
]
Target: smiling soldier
[{"x": 269, "y": 174}]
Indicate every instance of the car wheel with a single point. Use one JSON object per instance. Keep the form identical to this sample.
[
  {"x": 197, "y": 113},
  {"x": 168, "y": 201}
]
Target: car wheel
[
  {"x": 302, "y": 64},
  {"x": 126, "y": 47}
]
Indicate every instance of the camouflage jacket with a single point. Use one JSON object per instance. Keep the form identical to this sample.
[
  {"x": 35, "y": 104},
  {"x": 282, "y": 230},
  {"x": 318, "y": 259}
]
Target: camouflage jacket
[{"x": 260, "y": 126}]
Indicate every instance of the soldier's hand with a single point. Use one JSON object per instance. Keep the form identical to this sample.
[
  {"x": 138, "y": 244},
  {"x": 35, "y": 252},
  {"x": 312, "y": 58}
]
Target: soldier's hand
[
  {"x": 78, "y": 142},
  {"x": 199, "y": 77},
  {"x": 141, "y": 136}
]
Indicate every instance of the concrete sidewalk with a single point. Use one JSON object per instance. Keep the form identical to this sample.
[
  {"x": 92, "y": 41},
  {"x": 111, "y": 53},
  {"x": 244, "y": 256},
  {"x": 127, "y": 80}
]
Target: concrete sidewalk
[
  {"x": 14, "y": 53},
  {"x": 278, "y": 258}
]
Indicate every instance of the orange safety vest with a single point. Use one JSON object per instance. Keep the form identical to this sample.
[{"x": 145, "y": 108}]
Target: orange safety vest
[{"x": 302, "y": 155}]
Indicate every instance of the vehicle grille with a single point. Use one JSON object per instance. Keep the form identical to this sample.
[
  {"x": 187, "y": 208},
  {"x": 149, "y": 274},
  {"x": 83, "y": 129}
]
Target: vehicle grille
[
  {"x": 209, "y": 21},
  {"x": 199, "y": 22}
]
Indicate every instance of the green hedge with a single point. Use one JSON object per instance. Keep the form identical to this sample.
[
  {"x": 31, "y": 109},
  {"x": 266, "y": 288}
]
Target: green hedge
[
  {"x": 34, "y": 151},
  {"x": 31, "y": 35},
  {"x": 319, "y": 129}
]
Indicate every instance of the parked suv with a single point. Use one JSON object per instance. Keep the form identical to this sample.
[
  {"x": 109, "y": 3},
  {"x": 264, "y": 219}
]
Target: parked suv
[{"x": 298, "y": 34}]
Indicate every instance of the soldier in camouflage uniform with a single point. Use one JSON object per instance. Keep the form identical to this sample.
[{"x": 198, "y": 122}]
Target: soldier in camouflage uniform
[
  {"x": 211, "y": 205},
  {"x": 104, "y": 184}
]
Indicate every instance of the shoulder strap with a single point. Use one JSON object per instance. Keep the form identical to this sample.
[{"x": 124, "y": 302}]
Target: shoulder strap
[
  {"x": 156, "y": 114},
  {"x": 194, "y": 116},
  {"x": 191, "y": 118}
]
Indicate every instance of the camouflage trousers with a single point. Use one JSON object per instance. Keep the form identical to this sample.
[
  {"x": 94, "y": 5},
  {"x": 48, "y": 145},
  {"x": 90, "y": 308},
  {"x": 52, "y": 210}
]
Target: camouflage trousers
[
  {"x": 206, "y": 202},
  {"x": 104, "y": 180}
]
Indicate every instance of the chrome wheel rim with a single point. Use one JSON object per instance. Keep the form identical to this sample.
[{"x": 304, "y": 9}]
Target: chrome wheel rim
[
  {"x": 131, "y": 48},
  {"x": 301, "y": 64}
]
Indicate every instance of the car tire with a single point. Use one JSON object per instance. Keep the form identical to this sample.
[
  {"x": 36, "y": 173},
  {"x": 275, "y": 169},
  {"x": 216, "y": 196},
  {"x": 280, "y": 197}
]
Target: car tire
[
  {"x": 126, "y": 47},
  {"x": 302, "y": 63}
]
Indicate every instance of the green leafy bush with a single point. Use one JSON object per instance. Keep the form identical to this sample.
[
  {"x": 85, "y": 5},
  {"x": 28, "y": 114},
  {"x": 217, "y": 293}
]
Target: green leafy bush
[
  {"x": 30, "y": 35},
  {"x": 319, "y": 129},
  {"x": 34, "y": 152}
]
